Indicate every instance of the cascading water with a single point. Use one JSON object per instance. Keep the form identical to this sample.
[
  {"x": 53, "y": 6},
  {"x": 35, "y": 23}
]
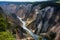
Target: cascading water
[{"x": 30, "y": 32}]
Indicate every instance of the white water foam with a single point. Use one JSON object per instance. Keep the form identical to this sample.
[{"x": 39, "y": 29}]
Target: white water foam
[{"x": 29, "y": 31}]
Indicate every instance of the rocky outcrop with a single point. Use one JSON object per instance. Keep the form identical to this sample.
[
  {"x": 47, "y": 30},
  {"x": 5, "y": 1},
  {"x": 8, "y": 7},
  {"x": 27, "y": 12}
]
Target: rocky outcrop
[{"x": 39, "y": 17}]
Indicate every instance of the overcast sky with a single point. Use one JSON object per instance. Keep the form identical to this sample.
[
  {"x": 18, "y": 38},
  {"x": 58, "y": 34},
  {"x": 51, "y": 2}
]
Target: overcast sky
[{"x": 23, "y": 0}]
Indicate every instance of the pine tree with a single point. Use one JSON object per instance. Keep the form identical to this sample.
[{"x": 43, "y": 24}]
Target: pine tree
[
  {"x": 4, "y": 34},
  {"x": 2, "y": 23}
]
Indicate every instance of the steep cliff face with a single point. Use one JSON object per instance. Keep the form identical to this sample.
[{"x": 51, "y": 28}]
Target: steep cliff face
[{"x": 39, "y": 17}]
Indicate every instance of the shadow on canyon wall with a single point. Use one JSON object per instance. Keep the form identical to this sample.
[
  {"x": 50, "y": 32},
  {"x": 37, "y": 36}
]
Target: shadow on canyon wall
[{"x": 40, "y": 17}]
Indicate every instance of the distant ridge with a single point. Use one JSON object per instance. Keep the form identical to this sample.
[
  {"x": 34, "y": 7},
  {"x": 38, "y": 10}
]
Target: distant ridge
[{"x": 18, "y": 3}]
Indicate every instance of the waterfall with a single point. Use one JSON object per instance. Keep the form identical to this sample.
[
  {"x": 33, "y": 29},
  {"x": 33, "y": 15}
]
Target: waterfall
[{"x": 30, "y": 32}]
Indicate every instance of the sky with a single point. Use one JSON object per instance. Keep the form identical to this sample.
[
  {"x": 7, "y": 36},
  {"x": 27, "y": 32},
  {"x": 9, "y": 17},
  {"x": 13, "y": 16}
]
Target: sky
[{"x": 23, "y": 0}]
